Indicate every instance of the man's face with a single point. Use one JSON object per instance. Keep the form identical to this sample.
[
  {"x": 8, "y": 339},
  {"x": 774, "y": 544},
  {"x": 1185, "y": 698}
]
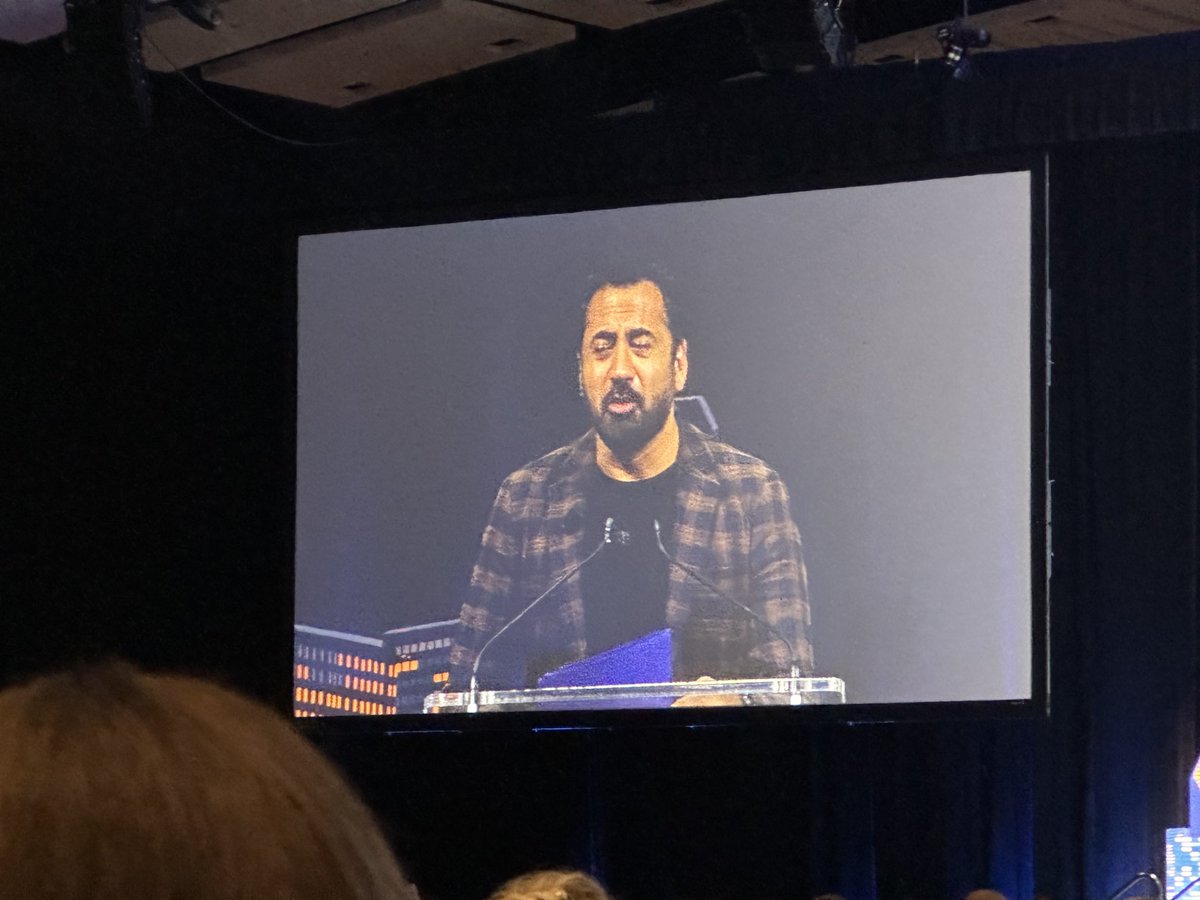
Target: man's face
[{"x": 629, "y": 369}]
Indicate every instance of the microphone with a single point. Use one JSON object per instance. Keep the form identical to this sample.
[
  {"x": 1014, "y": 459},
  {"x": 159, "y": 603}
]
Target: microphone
[
  {"x": 620, "y": 537},
  {"x": 692, "y": 573}
]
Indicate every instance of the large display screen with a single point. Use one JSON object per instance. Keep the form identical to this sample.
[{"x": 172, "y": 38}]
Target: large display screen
[{"x": 741, "y": 439}]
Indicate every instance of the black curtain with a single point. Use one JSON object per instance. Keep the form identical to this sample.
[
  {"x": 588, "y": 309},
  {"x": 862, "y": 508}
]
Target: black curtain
[{"x": 1123, "y": 651}]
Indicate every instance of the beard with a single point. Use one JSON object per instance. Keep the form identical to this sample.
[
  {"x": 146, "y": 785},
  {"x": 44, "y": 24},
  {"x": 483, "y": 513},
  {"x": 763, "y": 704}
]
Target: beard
[{"x": 627, "y": 433}]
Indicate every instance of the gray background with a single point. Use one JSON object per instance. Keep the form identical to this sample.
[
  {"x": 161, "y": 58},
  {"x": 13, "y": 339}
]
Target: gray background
[{"x": 871, "y": 343}]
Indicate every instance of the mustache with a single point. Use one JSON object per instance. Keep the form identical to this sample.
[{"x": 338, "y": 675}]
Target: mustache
[{"x": 622, "y": 393}]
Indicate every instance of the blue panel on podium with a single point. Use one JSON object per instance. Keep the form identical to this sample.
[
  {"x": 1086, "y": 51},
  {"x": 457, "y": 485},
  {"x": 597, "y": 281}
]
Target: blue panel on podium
[{"x": 646, "y": 660}]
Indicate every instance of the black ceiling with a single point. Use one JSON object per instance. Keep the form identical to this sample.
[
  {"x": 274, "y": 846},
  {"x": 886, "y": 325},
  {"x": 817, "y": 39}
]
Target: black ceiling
[
  {"x": 60, "y": 82},
  {"x": 874, "y": 19}
]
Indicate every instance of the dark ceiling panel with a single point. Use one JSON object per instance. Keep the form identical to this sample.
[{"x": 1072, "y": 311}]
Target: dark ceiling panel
[
  {"x": 1049, "y": 23},
  {"x": 389, "y": 51},
  {"x": 171, "y": 41},
  {"x": 609, "y": 13}
]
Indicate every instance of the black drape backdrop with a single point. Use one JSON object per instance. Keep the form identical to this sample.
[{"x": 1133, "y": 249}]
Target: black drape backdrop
[
  {"x": 1123, "y": 274},
  {"x": 149, "y": 315}
]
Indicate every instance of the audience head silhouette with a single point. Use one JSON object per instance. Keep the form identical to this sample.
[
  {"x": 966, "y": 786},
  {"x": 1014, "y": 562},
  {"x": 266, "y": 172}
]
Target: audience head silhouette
[
  {"x": 551, "y": 884},
  {"x": 115, "y": 783}
]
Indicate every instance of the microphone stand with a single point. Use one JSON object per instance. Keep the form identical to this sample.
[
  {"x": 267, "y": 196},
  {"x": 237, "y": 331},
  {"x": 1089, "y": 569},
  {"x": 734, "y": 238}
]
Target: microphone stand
[
  {"x": 473, "y": 693},
  {"x": 794, "y": 672},
  {"x": 1158, "y": 887}
]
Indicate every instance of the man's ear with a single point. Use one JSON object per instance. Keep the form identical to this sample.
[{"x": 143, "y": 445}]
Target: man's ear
[
  {"x": 579, "y": 371},
  {"x": 680, "y": 364}
]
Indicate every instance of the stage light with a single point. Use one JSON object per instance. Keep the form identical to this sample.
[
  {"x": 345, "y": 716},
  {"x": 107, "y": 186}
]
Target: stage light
[{"x": 957, "y": 39}]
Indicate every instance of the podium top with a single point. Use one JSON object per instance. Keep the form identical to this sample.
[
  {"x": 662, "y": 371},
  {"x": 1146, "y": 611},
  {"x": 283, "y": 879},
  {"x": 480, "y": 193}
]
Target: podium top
[{"x": 779, "y": 691}]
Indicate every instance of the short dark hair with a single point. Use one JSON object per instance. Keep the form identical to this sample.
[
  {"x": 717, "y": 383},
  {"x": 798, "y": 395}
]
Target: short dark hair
[{"x": 676, "y": 318}]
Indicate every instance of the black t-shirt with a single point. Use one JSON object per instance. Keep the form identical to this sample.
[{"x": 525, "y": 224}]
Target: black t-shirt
[{"x": 625, "y": 586}]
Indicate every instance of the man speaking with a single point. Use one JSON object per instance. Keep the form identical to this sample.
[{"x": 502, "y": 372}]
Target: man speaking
[{"x": 653, "y": 523}]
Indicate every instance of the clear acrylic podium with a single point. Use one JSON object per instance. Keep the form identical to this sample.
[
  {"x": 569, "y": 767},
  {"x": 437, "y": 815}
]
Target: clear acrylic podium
[{"x": 778, "y": 691}]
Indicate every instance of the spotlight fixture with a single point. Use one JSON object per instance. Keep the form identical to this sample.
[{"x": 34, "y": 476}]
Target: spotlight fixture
[{"x": 957, "y": 39}]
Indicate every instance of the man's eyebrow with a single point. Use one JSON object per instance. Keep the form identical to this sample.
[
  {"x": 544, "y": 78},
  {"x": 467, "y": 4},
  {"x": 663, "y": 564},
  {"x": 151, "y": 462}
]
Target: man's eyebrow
[
  {"x": 603, "y": 336},
  {"x": 634, "y": 333}
]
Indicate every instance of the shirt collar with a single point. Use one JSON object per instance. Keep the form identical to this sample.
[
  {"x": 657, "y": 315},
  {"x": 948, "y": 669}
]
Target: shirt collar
[{"x": 695, "y": 458}]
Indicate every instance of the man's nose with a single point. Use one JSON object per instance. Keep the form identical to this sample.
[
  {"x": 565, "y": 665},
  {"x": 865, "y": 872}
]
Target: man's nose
[{"x": 622, "y": 365}]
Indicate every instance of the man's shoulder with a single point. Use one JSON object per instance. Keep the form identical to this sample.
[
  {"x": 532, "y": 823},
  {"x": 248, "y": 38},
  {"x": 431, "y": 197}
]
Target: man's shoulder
[
  {"x": 551, "y": 466},
  {"x": 725, "y": 461}
]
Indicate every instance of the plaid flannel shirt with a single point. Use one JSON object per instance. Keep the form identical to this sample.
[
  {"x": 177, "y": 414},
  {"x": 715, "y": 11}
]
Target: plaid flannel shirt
[{"x": 732, "y": 526}]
